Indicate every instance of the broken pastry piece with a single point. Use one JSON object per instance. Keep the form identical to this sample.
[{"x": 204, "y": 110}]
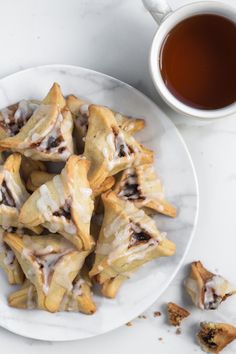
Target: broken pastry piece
[
  {"x": 50, "y": 262},
  {"x": 37, "y": 178},
  {"x": 141, "y": 185},
  {"x": 14, "y": 117},
  {"x": 207, "y": 290},
  {"x": 176, "y": 314},
  {"x": 64, "y": 204},
  {"x": 127, "y": 240},
  {"x": 12, "y": 193},
  {"x": 9, "y": 263},
  {"x": 109, "y": 148},
  {"x": 47, "y": 135},
  {"x": 77, "y": 299},
  {"x": 214, "y": 337},
  {"x": 80, "y": 111}
]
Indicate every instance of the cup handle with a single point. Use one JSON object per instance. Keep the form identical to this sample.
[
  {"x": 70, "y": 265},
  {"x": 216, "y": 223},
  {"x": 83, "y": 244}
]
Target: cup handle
[{"x": 157, "y": 8}]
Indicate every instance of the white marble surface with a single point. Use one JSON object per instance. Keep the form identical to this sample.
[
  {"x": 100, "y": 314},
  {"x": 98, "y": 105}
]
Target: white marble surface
[{"x": 114, "y": 36}]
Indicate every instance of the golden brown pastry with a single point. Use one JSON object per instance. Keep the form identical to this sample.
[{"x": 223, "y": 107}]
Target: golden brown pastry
[
  {"x": 107, "y": 184},
  {"x": 80, "y": 111},
  {"x": 9, "y": 263},
  {"x": 176, "y": 314},
  {"x": 141, "y": 185},
  {"x": 37, "y": 178},
  {"x": 14, "y": 117},
  {"x": 47, "y": 135},
  {"x": 77, "y": 299},
  {"x": 28, "y": 166},
  {"x": 50, "y": 262},
  {"x": 214, "y": 337},
  {"x": 207, "y": 290},
  {"x": 128, "y": 239},
  {"x": 12, "y": 193},
  {"x": 110, "y": 149},
  {"x": 64, "y": 204}
]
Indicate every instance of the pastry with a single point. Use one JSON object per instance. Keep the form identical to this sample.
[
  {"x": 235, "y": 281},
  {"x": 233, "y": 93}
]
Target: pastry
[
  {"x": 176, "y": 314},
  {"x": 9, "y": 263},
  {"x": 14, "y": 117},
  {"x": 107, "y": 184},
  {"x": 77, "y": 299},
  {"x": 47, "y": 135},
  {"x": 110, "y": 149},
  {"x": 64, "y": 204},
  {"x": 50, "y": 262},
  {"x": 214, "y": 337},
  {"x": 207, "y": 290},
  {"x": 128, "y": 239},
  {"x": 12, "y": 193},
  {"x": 37, "y": 178},
  {"x": 80, "y": 111},
  {"x": 28, "y": 166},
  {"x": 141, "y": 185}
]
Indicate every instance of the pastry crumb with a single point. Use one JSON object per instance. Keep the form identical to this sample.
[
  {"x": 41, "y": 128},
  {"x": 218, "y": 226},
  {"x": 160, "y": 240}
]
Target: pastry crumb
[
  {"x": 142, "y": 316},
  {"x": 176, "y": 314},
  {"x": 129, "y": 324},
  {"x": 178, "y": 331},
  {"x": 156, "y": 314}
]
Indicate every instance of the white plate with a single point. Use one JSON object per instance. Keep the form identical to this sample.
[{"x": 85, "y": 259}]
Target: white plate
[{"x": 175, "y": 167}]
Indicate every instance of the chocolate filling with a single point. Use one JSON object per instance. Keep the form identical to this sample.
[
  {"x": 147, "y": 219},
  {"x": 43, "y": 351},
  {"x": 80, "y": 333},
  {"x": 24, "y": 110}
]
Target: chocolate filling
[
  {"x": 138, "y": 236},
  {"x": 53, "y": 142},
  {"x": 122, "y": 148},
  {"x": 212, "y": 305},
  {"x": 14, "y": 125},
  {"x": 7, "y": 198},
  {"x": 65, "y": 211},
  {"x": 208, "y": 338},
  {"x": 131, "y": 190}
]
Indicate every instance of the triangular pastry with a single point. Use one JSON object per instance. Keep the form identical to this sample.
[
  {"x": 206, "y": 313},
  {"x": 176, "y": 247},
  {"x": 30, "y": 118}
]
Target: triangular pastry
[
  {"x": 77, "y": 299},
  {"x": 80, "y": 111},
  {"x": 37, "y": 178},
  {"x": 64, "y": 204},
  {"x": 50, "y": 262},
  {"x": 109, "y": 148},
  {"x": 14, "y": 117},
  {"x": 47, "y": 135},
  {"x": 9, "y": 263},
  {"x": 214, "y": 337},
  {"x": 142, "y": 186},
  {"x": 128, "y": 239},
  {"x": 207, "y": 290},
  {"x": 12, "y": 193}
]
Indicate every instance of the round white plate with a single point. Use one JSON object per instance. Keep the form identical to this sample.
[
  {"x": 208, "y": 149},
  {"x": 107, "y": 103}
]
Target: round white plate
[{"x": 172, "y": 162}]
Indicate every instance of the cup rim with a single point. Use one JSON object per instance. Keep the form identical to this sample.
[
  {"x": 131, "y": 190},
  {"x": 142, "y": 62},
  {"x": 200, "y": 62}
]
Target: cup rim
[{"x": 169, "y": 98}]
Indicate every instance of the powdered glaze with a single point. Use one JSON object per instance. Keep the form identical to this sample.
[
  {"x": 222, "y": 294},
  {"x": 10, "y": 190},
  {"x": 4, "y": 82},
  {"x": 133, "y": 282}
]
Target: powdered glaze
[
  {"x": 45, "y": 204},
  {"x": 19, "y": 193},
  {"x": 6, "y": 252},
  {"x": 77, "y": 287},
  {"x": 14, "y": 117},
  {"x": 215, "y": 290},
  {"x": 31, "y": 304}
]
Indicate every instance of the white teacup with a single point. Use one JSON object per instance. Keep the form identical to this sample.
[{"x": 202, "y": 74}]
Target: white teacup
[{"x": 166, "y": 20}]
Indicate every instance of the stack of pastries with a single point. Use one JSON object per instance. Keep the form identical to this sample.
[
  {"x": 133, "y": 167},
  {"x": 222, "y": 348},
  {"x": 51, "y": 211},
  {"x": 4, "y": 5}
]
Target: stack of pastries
[{"x": 91, "y": 222}]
